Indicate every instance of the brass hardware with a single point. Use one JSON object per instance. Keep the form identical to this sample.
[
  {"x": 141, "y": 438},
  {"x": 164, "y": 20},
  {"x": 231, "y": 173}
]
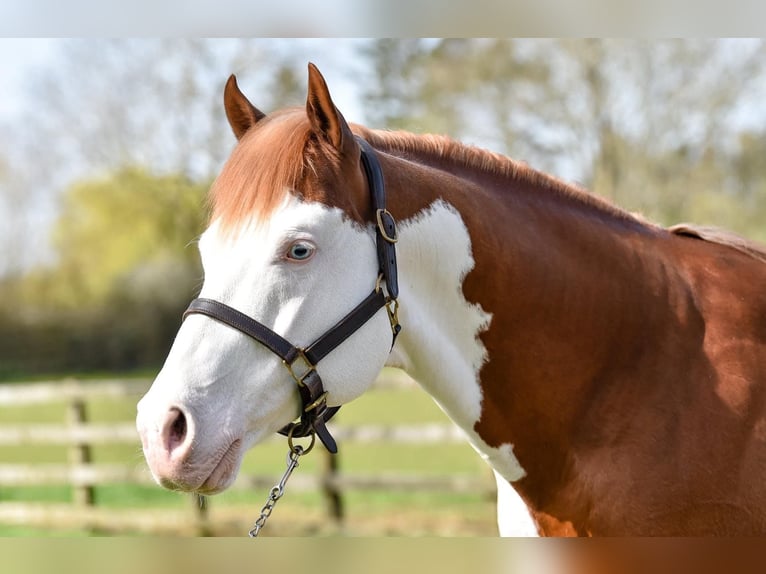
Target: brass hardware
[
  {"x": 322, "y": 398},
  {"x": 298, "y": 449},
  {"x": 307, "y": 364},
  {"x": 379, "y": 215},
  {"x": 392, "y": 308}
]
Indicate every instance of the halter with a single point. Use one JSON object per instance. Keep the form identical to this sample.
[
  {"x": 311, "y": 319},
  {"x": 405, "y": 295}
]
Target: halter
[{"x": 301, "y": 362}]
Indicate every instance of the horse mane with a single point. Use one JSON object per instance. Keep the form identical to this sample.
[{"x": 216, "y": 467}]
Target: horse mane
[
  {"x": 721, "y": 237},
  {"x": 268, "y": 161},
  {"x": 274, "y": 156},
  {"x": 472, "y": 157},
  {"x": 448, "y": 150}
]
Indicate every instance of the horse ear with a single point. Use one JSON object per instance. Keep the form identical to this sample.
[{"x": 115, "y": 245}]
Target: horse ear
[
  {"x": 325, "y": 118},
  {"x": 242, "y": 115}
]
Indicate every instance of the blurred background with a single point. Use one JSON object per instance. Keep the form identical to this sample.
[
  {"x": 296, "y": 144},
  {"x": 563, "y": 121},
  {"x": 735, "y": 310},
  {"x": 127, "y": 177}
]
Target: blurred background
[{"x": 107, "y": 149}]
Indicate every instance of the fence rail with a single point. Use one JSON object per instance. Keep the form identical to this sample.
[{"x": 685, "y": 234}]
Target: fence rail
[
  {"x": 126, "y": 433},
  {"x": 53, "y": 434},
  {"x": 78, "y": 435},
  {"x": 69, "y": 390}
]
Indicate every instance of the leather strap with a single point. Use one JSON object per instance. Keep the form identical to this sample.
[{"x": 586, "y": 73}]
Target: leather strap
[
  {"x": 385, "y": 230},
  {"x": 314, "y": 420},
  {"x": 258, "y": 331},
  {"x": 346, "y": 327}
]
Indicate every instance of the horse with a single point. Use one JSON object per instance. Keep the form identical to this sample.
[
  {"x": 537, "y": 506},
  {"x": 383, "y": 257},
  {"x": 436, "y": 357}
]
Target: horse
[{"x": 611, "y": 371}]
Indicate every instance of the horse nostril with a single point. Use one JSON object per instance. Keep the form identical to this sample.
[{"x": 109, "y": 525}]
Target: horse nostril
[
  {"x": 178, "y": 428},
  {"x": 175, "y": 429}
]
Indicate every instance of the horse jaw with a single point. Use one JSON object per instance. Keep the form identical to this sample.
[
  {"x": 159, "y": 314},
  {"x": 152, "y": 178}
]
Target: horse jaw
[{"x": 229, "y": 388}]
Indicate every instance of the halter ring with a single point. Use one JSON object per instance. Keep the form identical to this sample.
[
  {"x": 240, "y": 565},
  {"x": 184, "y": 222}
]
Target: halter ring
[{"x": 298, "y": 449}]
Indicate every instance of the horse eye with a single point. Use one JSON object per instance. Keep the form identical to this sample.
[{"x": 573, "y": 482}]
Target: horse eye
[{"x": 300, "y": 251}]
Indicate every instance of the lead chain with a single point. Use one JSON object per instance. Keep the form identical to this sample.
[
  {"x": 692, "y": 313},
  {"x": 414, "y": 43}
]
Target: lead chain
[{"x": 278, "y": 490}]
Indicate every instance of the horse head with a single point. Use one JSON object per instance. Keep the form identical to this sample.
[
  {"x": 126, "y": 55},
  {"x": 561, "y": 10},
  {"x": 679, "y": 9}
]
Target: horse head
[{"x": 292, "y": 244}]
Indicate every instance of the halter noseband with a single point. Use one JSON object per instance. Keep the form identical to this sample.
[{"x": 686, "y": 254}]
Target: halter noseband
[{"x": 301, "y": 362}]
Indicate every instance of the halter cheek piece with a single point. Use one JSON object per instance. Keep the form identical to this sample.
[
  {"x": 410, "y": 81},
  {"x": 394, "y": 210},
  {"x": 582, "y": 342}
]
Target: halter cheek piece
[{"x": 300, "y": 362}]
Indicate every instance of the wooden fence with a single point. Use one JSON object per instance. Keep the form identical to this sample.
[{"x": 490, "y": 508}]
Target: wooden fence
[{"x": 79, "y": 435}]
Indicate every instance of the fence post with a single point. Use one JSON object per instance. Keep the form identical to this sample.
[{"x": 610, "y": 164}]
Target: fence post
[
  {"x": 201, "y": 517},
  {"x": 80, "y": 453},
  {"x": 330, "y": 488}
]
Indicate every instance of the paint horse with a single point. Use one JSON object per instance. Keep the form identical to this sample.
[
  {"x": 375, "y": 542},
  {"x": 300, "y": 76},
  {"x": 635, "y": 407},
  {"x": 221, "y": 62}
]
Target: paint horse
[{"x": 610, "y": 371}]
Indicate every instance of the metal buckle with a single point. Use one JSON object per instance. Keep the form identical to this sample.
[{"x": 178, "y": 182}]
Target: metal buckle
[
  {"x": 306, "y": 363},
  {"x": 392, "y": 308},
  {"x": 382, "y": 228},
  {"x": 322, "y": 399}
]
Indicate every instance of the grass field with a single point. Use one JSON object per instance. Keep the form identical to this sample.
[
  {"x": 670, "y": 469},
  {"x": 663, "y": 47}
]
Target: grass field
[{"x": 367, "y": 513}]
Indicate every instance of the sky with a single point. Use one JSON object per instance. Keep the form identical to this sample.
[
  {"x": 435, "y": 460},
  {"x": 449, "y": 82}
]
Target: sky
[
  {"x": 21, "y": 58},
  {"x": 18, "y": 57}
]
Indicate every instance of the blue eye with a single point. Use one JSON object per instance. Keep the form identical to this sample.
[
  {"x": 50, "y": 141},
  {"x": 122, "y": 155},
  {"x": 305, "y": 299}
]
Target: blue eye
[{"x": 300, "y": 251}]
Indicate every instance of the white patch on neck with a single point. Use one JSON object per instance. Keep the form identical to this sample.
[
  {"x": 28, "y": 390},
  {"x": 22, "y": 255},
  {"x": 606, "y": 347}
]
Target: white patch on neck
[
  {"x": 439, "y": 345},
  {"x": 513, "y": 518}
]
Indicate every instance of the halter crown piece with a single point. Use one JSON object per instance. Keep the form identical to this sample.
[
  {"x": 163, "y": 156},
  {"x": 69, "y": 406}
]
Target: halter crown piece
[{"x": 301, "y": 363}]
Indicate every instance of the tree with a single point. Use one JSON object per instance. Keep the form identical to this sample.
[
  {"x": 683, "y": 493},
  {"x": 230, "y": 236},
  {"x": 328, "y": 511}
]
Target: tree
[
  {"x": 125, "y": 267},
  {"x": 111, "y": 227},
  {"x": 647, "y": 124},
  {"x": 475, "y": 89}
]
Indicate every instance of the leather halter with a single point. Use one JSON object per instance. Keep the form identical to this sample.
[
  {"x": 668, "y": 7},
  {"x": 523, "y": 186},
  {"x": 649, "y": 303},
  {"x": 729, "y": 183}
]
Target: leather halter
[{"x": 300, "y": 362}]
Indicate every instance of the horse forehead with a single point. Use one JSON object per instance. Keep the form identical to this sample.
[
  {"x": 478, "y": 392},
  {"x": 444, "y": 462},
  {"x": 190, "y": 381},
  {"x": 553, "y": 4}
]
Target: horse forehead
[
  {"x": 275, "y": 160},
  {"x": 247, "y": 268},
  {"x": 295, "y": 217}
]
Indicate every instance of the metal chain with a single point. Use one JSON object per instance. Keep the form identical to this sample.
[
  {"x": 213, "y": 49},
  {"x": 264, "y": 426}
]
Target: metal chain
[{"x": 278, "y": 490}]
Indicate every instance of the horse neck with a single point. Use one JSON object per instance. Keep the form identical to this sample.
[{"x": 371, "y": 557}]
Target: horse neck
[{"x": 512, "y": 300}]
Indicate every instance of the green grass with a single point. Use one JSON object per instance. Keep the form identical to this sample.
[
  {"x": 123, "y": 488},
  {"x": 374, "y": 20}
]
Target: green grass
[{"x": 368, "y": 512}]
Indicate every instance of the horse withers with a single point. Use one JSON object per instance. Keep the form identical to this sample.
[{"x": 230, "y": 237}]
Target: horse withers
[{"x": 610, "y": 371}]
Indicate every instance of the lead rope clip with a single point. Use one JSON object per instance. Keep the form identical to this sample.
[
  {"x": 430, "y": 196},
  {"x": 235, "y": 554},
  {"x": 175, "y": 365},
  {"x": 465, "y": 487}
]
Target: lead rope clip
[{"x": 278, "y": 490}]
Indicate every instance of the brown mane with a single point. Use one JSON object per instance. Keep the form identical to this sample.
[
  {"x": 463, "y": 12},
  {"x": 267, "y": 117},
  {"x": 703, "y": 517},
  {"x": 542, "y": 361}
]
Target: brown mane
[
  {"x": 269, "y": 160},
  {"x": 272, "y": 158},
  {"x": 722, "y": 237},
  {"x": 482, "y": 160},
  {"x": 444, "y": 147}
]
